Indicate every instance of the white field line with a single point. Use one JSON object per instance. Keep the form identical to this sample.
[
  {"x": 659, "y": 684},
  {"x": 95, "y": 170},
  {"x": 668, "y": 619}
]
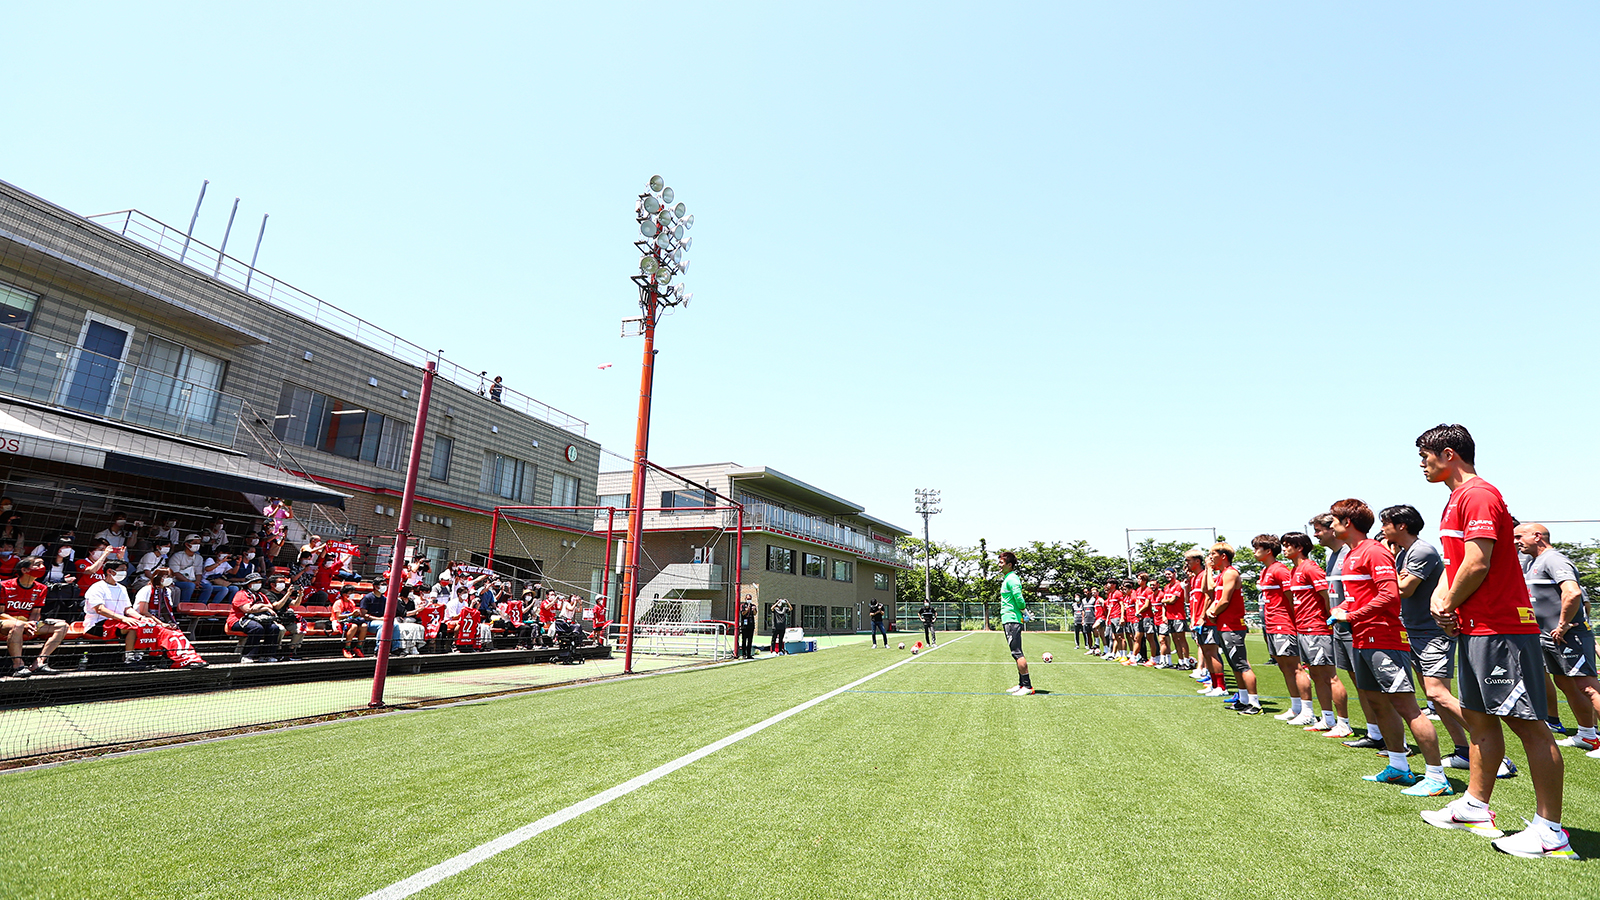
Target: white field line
[{"x": 460, "y": 863}]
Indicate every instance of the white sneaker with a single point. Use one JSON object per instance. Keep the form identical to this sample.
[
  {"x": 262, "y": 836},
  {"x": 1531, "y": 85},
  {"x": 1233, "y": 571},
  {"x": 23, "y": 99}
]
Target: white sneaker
[
  {"x": 1014, "y": 688},
  {"x": 1576, "y": 741},
  {"x": 246, "y": 660},
  {"x": 1305, "y": 718},
  {"x": 1022, "y": 692},
  {"x": 1217, "y": 692},
  {"x": 1455, "y": 816},
  {"x": 1286, "y": 715},
  {"x": 1593, "y": 754},
  {"x": 1529, "y": 845},
  {"x": 1455, "y": 761}
]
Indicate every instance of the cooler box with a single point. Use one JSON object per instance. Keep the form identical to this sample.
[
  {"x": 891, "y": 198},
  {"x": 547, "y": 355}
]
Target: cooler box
[{"x": 794, "y": 641}]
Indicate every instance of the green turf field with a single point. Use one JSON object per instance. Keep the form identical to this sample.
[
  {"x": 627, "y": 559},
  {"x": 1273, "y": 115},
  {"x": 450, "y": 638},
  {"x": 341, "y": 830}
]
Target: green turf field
[{"x": 925, "y": 781}]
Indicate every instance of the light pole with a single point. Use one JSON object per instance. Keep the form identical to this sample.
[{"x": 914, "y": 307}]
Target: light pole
[
  {"x": 927, "y": 505},
  {"x": 662, "y": 223}
]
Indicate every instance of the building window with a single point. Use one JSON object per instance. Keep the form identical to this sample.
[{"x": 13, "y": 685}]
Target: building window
[
  {"x": 563, "y": 490},
  {"x": 813, "y": 566},
  {"x": 177, "y": 381},
  {"x": 814, "y": 618},
  {"x": 842, "y": 619},
  {"x": 311, "y": 419},
  {"x": 443, "y": 449},
  {"x": 880, "y": 581},
  {"x": 507, "y": 477},
  {"x": 680, "y": 499},
  {"x": 620, "y": 501},
  {"x": 841, "y": 570},
  {"x": 16, "y": 311},
  {"x": 780, "y": 559}
]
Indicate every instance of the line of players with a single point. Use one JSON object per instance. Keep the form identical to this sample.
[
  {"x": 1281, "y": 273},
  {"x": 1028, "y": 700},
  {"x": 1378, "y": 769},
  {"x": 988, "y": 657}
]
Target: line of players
[{"x": 1387, "y": 610}]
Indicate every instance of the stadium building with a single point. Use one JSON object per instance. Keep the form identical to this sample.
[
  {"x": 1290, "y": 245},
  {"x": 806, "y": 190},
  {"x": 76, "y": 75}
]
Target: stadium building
[
  {"x": 821, "y": 552},
  {"x": 151, "y": 374}
]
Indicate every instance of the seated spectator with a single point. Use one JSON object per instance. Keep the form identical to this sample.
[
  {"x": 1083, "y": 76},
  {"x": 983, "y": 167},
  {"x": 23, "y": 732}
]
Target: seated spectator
[
  {"x": 159, "y": 598},
  {"x": 108, "y": 612},
  {"x": 256, "y": 620},
  {"x": 375, "y": 605},
  {"x": 89, "y": 566},
  {"x": 511, "y": 613},
  {"x": 187, "y": 565},
  {"x": 282, "y": 594},
  {"x": 8, "y": 558},
  {"x": 60, "y": 568},
  {"x": 220, "y": 573},
  {"x": 118, "y": 534},
  {"x": 157, "y": 557},
  {"x": 215, "y": 536},
  {"x": 65, "y": 535},
  {"x": 169, "y": 531},
  {"x": 21, "y": 617},
  {"x": 10, "y": 520},
  {"x": 351, "y": 621}
]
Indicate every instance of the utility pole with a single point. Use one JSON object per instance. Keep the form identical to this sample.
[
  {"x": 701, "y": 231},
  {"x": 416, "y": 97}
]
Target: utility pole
[{"x": 927, "y": 505}]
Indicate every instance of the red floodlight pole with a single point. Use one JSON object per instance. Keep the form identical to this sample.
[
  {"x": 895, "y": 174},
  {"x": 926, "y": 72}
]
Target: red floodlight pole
[
  {"x": 402, "y": 536},
  {"x": 662, "y": 223}
]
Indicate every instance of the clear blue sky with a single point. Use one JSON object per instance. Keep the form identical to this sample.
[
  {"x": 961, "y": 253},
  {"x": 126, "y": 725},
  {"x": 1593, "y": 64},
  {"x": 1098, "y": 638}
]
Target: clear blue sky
[{"x": 1083, "y": 267}]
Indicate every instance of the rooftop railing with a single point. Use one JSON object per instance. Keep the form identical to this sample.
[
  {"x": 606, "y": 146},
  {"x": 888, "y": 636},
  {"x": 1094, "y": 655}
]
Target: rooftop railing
[{"x": 173, "y": 243}]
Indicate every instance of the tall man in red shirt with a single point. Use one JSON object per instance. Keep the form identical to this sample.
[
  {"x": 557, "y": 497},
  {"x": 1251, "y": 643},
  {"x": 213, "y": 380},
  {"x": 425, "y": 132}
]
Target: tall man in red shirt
[
  {"x": 1483, "y": 598},
  {"x": 1277, "y": 619},
  {"x": 1226, "y": 615},
  {"x": 1382, "y": 657}
]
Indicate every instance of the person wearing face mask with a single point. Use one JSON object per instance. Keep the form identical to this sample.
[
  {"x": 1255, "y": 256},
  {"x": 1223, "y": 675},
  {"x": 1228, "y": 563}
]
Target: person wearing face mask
[
  {"x": 216, "y": 535},
  {"x": 8, "y": 558},
  {"x": 254, "y": 618},
  {"x": 221, "y": 574},
  {"x": 63, "y": 539},
  {"x": 108, "y": 613},
  {"x": 118, "y": 534},
  {"x": 156, "y": 557},
  {"x": 10, "y": 520},
  {"x": 159, "y": 598},
  {"x": 169, "y": 532},
  {"x": 21, "y": 618},
  {"x": 282, "y": 594},
  {"x": 186, "y": 565}
]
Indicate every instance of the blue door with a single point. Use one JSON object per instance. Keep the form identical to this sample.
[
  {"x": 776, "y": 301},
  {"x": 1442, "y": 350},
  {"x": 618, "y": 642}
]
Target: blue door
[{"x": 94, "y": 378}]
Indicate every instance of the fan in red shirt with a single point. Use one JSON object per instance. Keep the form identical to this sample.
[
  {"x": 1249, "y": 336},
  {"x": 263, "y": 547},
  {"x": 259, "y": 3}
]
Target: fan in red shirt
[
  {"x": 598, "y": 623},
  {"x": 20, "y": 617},
  {"x": 1277, "y": 617},
  {"x": 1308, "y": 589},
  {"x": 1484, "y": 597},
  {"x": 1382, "y": 652}
]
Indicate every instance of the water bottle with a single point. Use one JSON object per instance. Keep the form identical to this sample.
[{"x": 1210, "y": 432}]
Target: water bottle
[{"x": 83, "y": 661}]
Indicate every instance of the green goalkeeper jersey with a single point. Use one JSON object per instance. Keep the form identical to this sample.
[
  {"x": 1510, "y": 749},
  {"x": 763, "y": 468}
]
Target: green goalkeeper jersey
[{"x": 1011, "y": 599}]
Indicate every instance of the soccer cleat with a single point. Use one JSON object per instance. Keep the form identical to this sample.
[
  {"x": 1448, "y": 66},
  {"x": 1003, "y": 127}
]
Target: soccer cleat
[
  {"x": 1304, "y": 719},
  {"x": 1203, "y": 689},
  {"x": 1457, "y": 761},
  {"x": 1508, "y": 769},
  {"x": 1593, "y": 754},
  {"x": 1365, "y": 742},
  {"x": 1318, "y": 725},
  {"x": 1014, "y": 688},
  {"x": 1392, "y": 775},
  {"x": 1456, "y": 816},
  {"x": 1556, "y": 726},
  {"x": 1574, "y": 741},
  {"x": 1235, "y": 704},
  {"x": 1285, "y": 716},
  {"x": 1249, "y": 710},
  {"x": 1022, "y": 692},
  {"x": 1430, "y": 787},
  {"x": 1529, "y": 845},
  {"x": 1340, "y": 730},
  {"x": 1215, "y": 692}
]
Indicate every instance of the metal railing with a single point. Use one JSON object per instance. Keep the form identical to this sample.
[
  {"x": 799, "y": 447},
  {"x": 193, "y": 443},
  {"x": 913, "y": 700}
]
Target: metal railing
[
  {"x": 59, "y": 374},
  {"x": 170, "y": 242},
  {"x": 316, "y": 519}
]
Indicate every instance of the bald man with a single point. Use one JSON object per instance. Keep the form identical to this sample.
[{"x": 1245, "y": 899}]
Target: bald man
[{"x": 1562, "y": 610}]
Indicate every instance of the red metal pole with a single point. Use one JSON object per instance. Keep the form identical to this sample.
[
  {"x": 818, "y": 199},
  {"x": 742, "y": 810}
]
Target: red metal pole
[
  {"x": 402, "y": 536},
  {"x": 605, "y": 576},
  {"x": 738, "y": 577},
  {"x": 494, "y": 527},
  {"x": 641, "y": 450}
]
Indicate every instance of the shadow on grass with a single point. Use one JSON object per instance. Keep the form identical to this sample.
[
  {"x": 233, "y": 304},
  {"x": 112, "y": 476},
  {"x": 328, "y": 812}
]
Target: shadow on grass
[{"x": 1586, "y": 841}]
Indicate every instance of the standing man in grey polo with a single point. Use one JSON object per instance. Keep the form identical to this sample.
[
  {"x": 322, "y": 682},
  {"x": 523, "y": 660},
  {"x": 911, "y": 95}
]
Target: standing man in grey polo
[{"x": 1563, "y": 613}]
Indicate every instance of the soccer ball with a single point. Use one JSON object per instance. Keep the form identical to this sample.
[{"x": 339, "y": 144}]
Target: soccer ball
[
  {"x": 1048, "y": 656},
  {"x": 902, "y": 645},
  {"x": 913, "y": 651}
]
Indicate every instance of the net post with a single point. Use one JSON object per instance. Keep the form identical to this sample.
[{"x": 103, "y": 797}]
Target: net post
[{"x": 402, "y": 536}]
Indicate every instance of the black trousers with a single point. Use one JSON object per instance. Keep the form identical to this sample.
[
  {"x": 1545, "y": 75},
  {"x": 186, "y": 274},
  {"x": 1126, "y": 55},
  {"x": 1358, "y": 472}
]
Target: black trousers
[{"x": 747, "y": 639}]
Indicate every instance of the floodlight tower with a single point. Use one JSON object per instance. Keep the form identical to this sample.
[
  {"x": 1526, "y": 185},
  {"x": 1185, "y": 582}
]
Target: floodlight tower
[
  {"x": 662, "y": 223},
  {"x": 927, "y": 505}
]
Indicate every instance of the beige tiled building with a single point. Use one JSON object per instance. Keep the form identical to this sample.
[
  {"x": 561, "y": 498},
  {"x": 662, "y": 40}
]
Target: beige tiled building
[{"x": 821, "y": 552}]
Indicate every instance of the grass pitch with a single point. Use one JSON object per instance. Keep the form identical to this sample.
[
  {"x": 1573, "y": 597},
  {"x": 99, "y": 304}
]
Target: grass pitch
[{"x": 926, "y": 781}]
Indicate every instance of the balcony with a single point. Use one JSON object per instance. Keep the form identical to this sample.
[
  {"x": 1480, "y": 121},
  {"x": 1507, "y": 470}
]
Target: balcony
[{"x": 58, "y": 374}]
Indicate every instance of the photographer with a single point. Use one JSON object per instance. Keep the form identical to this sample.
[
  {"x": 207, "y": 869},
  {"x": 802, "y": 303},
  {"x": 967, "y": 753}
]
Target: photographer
[
  {"x": 256, "y": 619},
  {"x": 282, "y": 596}
]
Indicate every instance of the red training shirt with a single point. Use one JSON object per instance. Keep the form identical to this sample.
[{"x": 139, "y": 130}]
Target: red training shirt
[
  {"x": 1372, "y": 597},
  {"x": 1500, "y": 605},
  {"x": 1277, "y": 610},
  {"x": 1230, "y": 618},
  {"x": 1310, "y": 606}
]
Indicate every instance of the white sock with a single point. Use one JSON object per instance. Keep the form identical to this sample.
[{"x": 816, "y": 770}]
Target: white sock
[
  {"x": 1374, "y": 732},
  {"x": 1436, "y": 773},
  {"x": 1398, "y": 760},
  {"x": 1328, "y": 718},
  {"x": 1240, "y": 696},
  {"x": 1295, "y": 708},
  {"x": 1345, "y": 721},
  {"x": 1588, "y": 733},
  {"x": 1474, "y": 804},
  {"x": 1549, "y": 832},
  {"x": 1254, "y": 700}
]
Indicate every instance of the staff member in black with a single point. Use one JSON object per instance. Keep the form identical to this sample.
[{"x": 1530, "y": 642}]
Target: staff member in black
[
  {"x": 928, "y": 634},
  {"x": 781, "y": 611},
  {"x": 875, "y": 610},
  {"x": 747, "y": 630}
]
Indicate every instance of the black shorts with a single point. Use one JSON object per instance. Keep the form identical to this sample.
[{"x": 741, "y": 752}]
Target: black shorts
[
  {"x": 1147, "y": 625},
  {"x": 1316, "y": 649},
  {"x": 1344, "y": 650},
  {"x": 1433, "y": 655},
  {"x": 1233, "y": 650},
  {"x": 1177, "y": 626},
  {"x": 1502, "y": 675},
  {"x": 1207, "y": 634},
  {"x": 1013, "y": 632},
  {"x": 1573, "y": 657},
  {"x": 1283, "y": 646}
]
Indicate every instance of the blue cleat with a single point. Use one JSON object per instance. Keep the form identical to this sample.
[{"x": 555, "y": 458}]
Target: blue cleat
[{"x": 1392, "y": 775}]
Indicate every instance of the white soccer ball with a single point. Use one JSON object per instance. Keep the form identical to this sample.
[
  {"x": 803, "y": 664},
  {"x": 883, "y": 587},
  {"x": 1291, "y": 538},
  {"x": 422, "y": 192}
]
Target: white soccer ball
[
  {"x": 913, "y": 651},
  {"x": 1048, "y": 656},
  {"x": 902, "y": 645}
]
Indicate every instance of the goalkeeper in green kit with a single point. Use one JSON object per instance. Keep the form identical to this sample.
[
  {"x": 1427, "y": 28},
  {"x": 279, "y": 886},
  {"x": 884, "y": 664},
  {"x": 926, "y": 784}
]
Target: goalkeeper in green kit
[{"x": 1011, "y": 604}]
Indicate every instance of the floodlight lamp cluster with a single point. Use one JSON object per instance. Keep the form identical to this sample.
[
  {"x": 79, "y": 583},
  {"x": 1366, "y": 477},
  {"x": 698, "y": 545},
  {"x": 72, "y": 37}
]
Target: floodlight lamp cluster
[
  {"x": 927, "y": 501},
  {"x": 663, "y": 225}
]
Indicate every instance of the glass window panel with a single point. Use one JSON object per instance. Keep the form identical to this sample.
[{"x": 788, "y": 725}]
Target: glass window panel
[{"x": 443, "y": 447}]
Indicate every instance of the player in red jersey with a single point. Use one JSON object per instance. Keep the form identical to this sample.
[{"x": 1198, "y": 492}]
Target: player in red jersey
[
  {"x": 1130, "y": 622},
  {"x": 1173, "y": 626},
  {"x": 21, "y": 605},
  {"x": 1225, "y": 614},
  {"x": 1277, "y": 620},
  {"x": 1383, "y": 652},
  {"x": 1144, "y": 621},
  {"x": 1097, "y": 640},
  {"x": 1483, "y": 598},
  {"x": 1308, "y": 586},
  {"x": 1114, "y": 602}
]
